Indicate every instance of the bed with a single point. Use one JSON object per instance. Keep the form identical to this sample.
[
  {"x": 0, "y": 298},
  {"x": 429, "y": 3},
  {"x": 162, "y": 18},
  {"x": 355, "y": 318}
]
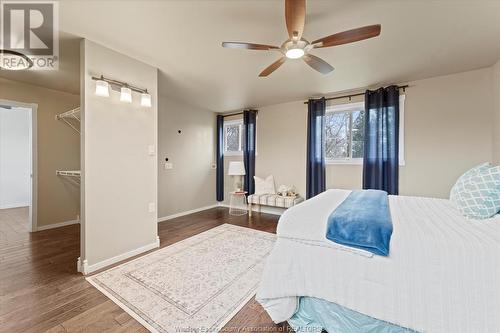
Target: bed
[{"x": 442, "y": 273}]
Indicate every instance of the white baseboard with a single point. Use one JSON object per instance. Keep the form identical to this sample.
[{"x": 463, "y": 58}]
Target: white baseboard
[
  {"x": 173, "y": 216},
  {"x": 85, "y": 268},
  {"x": 56, "y": 225},
  {"x": 79, "y": 265},
  {"x": 263, "y": 209},
  {"x": 15, "y": 205}
]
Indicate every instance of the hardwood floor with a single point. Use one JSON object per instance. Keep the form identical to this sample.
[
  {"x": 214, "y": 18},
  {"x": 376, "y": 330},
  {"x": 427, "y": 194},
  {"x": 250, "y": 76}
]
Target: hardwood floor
[{"x": 40, "y": 290}]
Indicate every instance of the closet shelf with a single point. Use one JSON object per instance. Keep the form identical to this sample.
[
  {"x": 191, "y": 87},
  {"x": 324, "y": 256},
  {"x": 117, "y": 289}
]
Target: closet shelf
[
  {"x": 74, "y": 115},
  {"x": 69, "y": 173}
]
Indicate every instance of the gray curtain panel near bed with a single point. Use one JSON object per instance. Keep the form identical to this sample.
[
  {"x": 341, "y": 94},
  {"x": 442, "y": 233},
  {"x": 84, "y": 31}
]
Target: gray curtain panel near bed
[
  {"x": 381, "y": 149},
  {"x": 316, "y": 173},
  {"x": 250, "y": 124}
]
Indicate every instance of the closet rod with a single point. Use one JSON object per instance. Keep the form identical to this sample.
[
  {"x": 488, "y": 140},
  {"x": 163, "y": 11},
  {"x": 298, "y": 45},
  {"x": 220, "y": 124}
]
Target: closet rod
[{"x": 355, "y": 95}]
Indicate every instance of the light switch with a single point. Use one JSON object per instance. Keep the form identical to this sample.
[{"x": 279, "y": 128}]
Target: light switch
[
  {"x": 151, "y": 150},
  {"x": 151, "y": 207},
  {"x": 169, "y": 166}
]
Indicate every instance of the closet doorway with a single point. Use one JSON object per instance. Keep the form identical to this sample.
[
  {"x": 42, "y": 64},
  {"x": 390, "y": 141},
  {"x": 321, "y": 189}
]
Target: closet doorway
[{"x": 18, "y": 156}]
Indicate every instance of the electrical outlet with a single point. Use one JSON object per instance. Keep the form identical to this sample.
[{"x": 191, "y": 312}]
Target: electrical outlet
[
  {"x": 151, "y": 150},
  {"x": 151, "y": 207},
  {"x": 169, "y": 166}
]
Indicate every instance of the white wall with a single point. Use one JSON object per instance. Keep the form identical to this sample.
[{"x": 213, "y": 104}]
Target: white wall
[
  {"x": 15, "y": 165},
  {"x": 119, "y": 176},
  {"x": 448, "y": 129},
  {"x": 496, "y": 117},
  {"x": 190, "y": 184}
]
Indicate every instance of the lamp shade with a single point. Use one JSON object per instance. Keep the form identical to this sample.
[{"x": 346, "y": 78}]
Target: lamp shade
[
  {"x": 146, "y": 100},
  {"x": 102, "y": 88},
  {"x": 126, "y": 95},
  {"x": 236, "y": 169}
]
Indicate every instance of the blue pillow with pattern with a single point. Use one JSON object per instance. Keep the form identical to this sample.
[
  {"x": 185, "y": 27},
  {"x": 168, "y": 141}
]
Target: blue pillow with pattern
[
  {"x": 477, "y": 196},
  {"x": 465, "y": 177}
]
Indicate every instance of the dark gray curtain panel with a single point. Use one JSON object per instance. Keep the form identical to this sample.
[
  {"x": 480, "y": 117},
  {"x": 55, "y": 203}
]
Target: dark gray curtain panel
[
  {"x": 220, "y": 159},
  {"x": 381, "y": 149},
  {"x": 316, "y": 173},
  {"x": 250, "y": 124}
]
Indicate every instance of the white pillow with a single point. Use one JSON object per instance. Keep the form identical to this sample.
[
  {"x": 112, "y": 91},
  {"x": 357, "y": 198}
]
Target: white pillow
[{"x": 264, "y": 186}]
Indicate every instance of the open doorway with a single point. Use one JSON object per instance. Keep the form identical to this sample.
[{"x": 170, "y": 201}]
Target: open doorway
[{"x": 18, "y": 165}]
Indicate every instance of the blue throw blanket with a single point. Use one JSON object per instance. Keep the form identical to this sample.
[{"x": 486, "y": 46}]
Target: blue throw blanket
[{"x": 362, "y": 221}]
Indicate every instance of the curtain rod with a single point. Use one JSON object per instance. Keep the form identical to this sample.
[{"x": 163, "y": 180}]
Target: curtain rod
[
  {"x": 358, "y": 94},
  {"x": 237, "y": 113}
]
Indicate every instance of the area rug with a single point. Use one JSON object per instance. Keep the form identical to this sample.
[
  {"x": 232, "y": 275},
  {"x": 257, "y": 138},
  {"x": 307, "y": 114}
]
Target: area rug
[{"x": 195, "y": 285}]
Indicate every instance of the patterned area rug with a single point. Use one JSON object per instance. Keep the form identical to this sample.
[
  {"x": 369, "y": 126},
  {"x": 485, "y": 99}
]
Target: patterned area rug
[{"x": 195, "y": 285}]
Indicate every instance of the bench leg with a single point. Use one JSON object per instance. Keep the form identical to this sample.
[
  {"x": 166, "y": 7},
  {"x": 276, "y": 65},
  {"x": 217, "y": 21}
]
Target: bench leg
[{"x": 250, "y": 209}]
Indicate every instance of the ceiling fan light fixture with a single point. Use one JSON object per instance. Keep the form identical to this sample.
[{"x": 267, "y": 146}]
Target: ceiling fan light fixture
[{"x": 294, "y": 53}]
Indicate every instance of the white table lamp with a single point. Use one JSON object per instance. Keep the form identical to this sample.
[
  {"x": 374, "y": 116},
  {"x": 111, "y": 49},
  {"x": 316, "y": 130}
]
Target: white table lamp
[{"x": 236, "y": 168}]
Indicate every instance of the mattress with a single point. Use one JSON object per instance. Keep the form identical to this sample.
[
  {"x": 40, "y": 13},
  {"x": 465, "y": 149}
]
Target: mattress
[{"x": 442, "y": 273}]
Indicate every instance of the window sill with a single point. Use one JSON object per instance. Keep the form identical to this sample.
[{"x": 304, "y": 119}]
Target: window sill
[
  {"x": 233, "y": 153},
  {"x": 236, "y": 153},
  {"x": 354, "y": 162}
]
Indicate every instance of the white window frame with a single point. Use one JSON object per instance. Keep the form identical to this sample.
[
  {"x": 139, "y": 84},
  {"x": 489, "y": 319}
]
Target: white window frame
[
  {"x": 228, "y": 123},
  {"x": 360, "y": 106}
]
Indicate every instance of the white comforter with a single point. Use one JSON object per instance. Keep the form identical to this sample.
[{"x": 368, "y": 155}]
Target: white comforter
[{"x": 442, "y": 274}]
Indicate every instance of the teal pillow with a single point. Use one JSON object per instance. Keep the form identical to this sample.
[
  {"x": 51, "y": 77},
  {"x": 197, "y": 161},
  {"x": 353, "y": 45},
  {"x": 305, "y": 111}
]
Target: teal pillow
[
  {"x": 477, "y": 196},
  {"x": 455, "y": 190}
]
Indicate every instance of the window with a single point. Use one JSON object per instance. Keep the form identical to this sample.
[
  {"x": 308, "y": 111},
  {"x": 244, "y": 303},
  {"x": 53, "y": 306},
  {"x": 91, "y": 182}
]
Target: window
[
  {"x": 233, "y": 137},
  {"x": 344, "y": 133},
  {"x": 344, "y": 126}
]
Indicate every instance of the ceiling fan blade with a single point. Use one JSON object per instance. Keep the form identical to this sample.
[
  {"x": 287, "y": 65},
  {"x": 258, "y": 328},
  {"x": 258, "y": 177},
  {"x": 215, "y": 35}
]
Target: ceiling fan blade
[
  {"x": 249, "y": 46},
  {"x": 318, "y": 64},
  {"x": 348, "y": 36},
  {"x": 295, "y": 17},
  {"x": 274, "y": 66}
]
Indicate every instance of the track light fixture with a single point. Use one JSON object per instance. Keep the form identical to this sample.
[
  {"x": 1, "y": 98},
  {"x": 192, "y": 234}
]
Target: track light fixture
[
  {"x": 125, "y": 94},
  {"x": 103, "y": 84},
  {"x": 146, "y": 99}
]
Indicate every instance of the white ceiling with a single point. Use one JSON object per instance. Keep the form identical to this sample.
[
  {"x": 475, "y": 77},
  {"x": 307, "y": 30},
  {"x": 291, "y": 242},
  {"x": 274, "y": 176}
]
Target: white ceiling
[{"x": 419, "y": 39}]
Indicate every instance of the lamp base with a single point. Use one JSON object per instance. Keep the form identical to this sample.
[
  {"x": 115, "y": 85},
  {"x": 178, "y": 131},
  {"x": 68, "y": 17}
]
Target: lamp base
[{"x": 237, "y": 184}]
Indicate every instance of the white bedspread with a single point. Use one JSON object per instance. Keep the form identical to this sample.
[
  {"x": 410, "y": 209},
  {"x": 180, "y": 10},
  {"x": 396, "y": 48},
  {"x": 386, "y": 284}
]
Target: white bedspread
[{"x": 442, "y": 274}]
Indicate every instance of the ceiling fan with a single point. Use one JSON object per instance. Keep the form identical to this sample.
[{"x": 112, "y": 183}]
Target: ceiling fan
[{"x": 297, "y": 47}]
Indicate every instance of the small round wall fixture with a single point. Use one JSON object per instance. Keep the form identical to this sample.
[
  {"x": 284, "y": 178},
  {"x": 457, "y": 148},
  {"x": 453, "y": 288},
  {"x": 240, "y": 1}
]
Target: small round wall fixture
[{"x": 14, "y": 61}]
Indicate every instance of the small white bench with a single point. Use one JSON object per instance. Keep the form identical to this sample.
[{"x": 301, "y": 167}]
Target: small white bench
[{"x": 272, "y": 200}]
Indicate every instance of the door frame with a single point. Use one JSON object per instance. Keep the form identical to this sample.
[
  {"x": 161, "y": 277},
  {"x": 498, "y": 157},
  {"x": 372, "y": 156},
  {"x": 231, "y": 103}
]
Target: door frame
[{"x": 33, "y": 208}]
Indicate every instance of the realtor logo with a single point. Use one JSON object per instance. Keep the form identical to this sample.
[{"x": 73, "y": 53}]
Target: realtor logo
[{"x": 31, "y": 29}]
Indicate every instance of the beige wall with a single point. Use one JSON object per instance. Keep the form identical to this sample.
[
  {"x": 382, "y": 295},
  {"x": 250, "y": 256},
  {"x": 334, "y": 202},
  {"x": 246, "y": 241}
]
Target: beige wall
[
  {"x": 58, "y": 148},
  {"x": 447, "y": 130},
  {"x": 282, "y": 143},
  {"x": 496, "y": 118},
  {"x": 119, "y": 175},
  {"x": 191, "y": 183}
]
